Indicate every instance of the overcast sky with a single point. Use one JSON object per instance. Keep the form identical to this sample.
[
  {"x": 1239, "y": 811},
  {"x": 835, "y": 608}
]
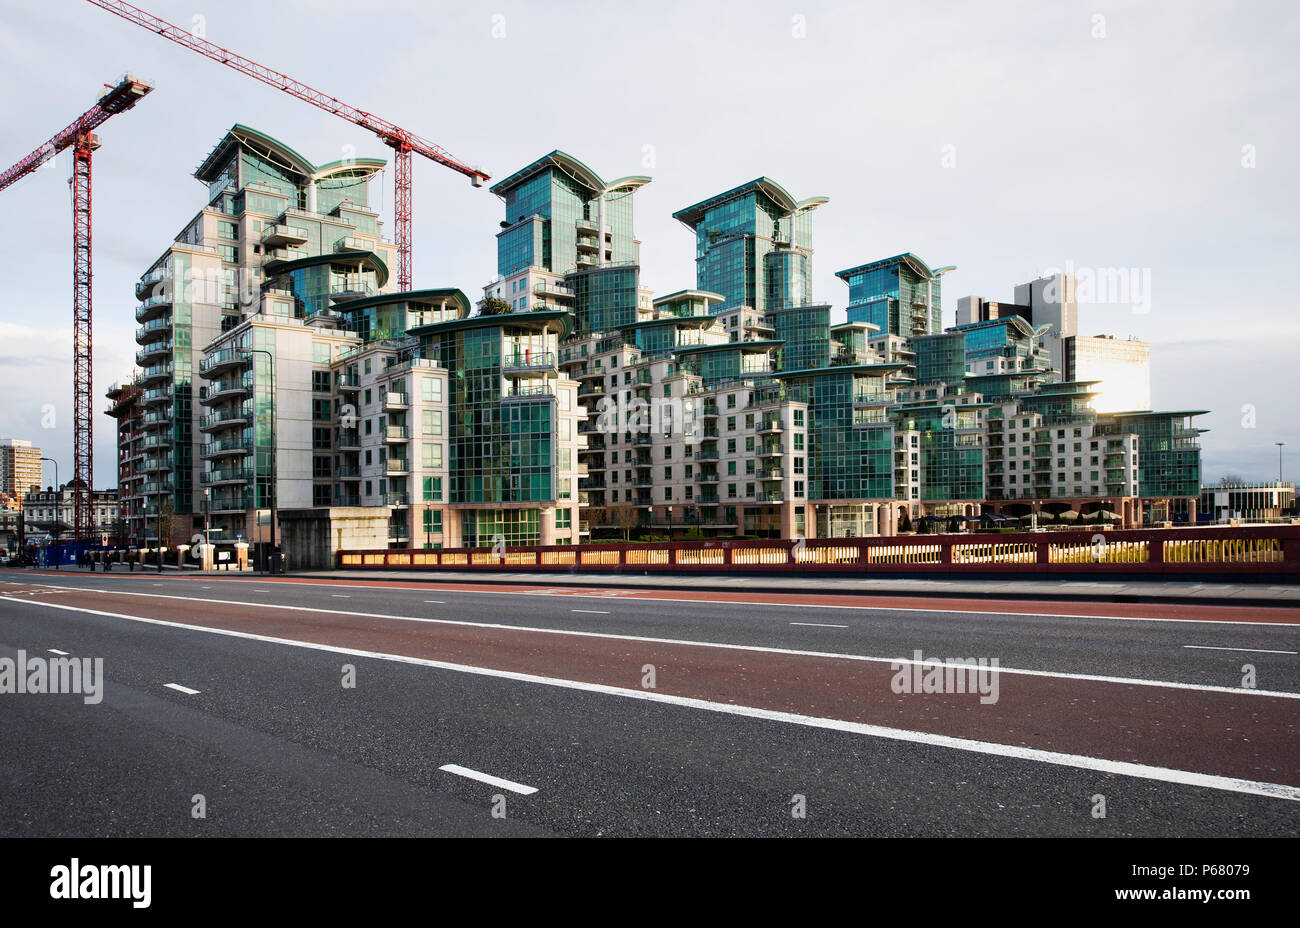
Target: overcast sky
[{"x": 1003, "y": 138}]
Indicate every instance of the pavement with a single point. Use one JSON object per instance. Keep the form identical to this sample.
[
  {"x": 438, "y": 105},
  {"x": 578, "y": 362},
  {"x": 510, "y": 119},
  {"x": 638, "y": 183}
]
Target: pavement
[
  {"x": 580, "y": 709},
  {"x": 1111, "y": 590}
]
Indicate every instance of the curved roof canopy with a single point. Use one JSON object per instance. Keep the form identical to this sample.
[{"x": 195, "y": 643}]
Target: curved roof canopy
[
  {"x": 911, "y": 260},
  {"x": 279, "y": 153},
  {"x": 407, "y": 296},
  {"x": 527, "y": 317},
  {"x": 575, "y": 169},
  {"x": 692, "y": 215},
  {"x": 369, "y": 258}
]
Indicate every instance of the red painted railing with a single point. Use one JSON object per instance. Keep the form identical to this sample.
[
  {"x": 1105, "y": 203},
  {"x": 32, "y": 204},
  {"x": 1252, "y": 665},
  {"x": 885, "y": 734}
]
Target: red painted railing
[{"x": 1255, "y": 550}]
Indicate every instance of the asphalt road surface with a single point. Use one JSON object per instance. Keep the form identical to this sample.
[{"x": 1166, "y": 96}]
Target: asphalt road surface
[{"x": 360, "y": 708}]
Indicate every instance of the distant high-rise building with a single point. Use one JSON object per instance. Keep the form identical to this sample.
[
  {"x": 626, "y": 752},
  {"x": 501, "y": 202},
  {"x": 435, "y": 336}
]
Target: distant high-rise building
[
  {"x": 977, "y": 309},
  {"x": 1052, "y": 301},
  {"x": 567, "y": 243},
  {"x": 1121, "y": 368},
  {"x": 20, "y": 467},
  {"x": 753, "y": 244},
  {"x": 899, "y": 295}
]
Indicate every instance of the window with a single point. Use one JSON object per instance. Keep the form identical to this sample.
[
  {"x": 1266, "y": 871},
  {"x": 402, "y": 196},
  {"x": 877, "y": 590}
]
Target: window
[
  {"x": 432, "y": 489},
  {"x": 431, "y": 389},
  {"x": 431, "y": 421},
  {"x": 431, "y": 454}
]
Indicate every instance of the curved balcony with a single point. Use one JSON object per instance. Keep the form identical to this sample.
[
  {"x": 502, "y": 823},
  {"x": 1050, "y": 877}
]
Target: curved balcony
[
  {"x": 229, "y": 389},
  {"x": 235, "y": 417},
  {"x": 146, "y": 283},
  {"x": 152, "y": 465},
  {"x": 156, "y": 373},
  {"x": 225, "y": 449},
  {"x": 153, "y": 329},
  {"x": 152, "y": 307},
  {"x": 222, "y": 360},
  {"x": 280, "y": 233},
  {"x": 224, "y": 476},
  {"x": 153, "y": 351},
  {"x": 156, "y": 396}
]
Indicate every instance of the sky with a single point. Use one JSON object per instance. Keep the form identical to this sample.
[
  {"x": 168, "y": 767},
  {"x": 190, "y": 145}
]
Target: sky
[{"x": 1151, "y": 144}]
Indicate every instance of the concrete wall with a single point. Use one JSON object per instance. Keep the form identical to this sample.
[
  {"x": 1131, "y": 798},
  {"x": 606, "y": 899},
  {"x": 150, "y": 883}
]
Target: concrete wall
[{"x": 311, "y": 537}]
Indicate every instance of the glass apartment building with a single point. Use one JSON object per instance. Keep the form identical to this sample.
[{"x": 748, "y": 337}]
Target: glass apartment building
[{"x": 899, "y": 295}]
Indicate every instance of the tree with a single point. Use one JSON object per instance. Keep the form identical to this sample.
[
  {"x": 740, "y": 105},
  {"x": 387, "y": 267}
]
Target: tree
[
  {"x": 594, "y": 516},
  {"x": 493, "y": 306},
  {"x": 628, "y": 518},
  {"x": 166, "y": 524},
  {"x": 905, "y": 522}
]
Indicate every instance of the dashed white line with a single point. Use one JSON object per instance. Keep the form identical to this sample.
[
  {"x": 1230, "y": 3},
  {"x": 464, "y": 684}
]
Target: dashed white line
[
  {"x": 819, "y": 624},
  {"x": 181, "y": 689},
  {"x": 1207, "y": 647},
  {"x": 339, "y": 596},
  {"x": 591, "y": 611},
  {"x": 441, "y": 602},
  {"x": 487, "y": 778},
  {"x": 58, "y": 652}
]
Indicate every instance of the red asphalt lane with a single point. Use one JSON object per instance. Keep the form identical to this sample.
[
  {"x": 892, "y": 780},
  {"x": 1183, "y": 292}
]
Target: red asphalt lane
[
  {"x": 1233, "y": 734},
  {"x": 1281, "y": 615}
]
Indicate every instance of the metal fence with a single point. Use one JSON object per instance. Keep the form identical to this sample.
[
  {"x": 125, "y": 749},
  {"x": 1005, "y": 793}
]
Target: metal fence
[{"x": 1257, "y": 550}]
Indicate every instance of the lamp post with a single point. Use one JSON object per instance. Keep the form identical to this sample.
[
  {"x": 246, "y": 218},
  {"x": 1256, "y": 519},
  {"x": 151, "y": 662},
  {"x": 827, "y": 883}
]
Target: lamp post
[
  {"x": 207, "y": 524},
  {"x": 60, "y": 499},
  {"x": 670, "y": 523},
  {"x": 271, "y": 562},
  {"x": 1280, "y": 445}
]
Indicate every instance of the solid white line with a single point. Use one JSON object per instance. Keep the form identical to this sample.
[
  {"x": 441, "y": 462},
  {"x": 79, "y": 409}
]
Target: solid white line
[
  {"x": 761, "y": 649},
  {"x": 57, "y": 651},
  {"x": 339, "y": 596},
  {"x": 592, "y": 611},
  {"x": 441, "y": 602},
  {"x": 1082, "y": 762},
  {"x": 487, "y": 778},
  {"x": 181, "y": 689},
  {"x": 1206, "y": 647},
  {"x": 819, "y": 624},
  {"x": 631, "y": 591}
]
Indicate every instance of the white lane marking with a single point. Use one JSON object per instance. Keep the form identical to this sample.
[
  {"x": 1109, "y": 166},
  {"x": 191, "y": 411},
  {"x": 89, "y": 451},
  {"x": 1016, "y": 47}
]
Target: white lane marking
[
  {"x": 1079, "y": 761},
  {"x": 819, "y": 624},
  {"x": 761, "y": 649},
  {"x": 487, "y": 778},
  {"x": 58, "y": 652},
  {"x": 714, "y": 602},
  {"x": 207, "y": 587},
  {"x": 261, "y": 591},
  {"x": 1206, "y": 647},
  {"x": 181, "y": 689},
  {"x": 339, "y": 596},
  {"x": 441, "y": 602},
  {"x": 592, "y": 611}
]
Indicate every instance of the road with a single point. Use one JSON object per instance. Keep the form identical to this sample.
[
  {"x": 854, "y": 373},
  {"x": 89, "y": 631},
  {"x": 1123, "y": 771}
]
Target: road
[{"x": 483, "y": 709}]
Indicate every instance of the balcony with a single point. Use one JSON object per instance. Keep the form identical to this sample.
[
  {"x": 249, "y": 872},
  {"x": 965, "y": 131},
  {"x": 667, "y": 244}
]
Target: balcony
[
  {"x": 350, "y": 383},
  {"x": 771, "y": 473},
  {"x": 229, "y": 389},
  {"x": 394, "y": 399},
  {"x": 224, "y": 359},
  {"x": 770, "y": 497},
  {"x": 770, "y": 427},
  {"x": 155, "y": 396},
  {"x": 588, "y": 244},
  {"x": 351, "y": 290},
  {"x": 157, "y": 372},
  {"x": 397, "y": 433},
  {"x": 347, "y": 440},
  {"x": 237, "y": 417},
  {"x": 348, "y": 472},
  {"x": 770, "y": 451},
  {"x": 230, "y": 502},
  {"x": 528, "y": 361},
  {"x": 707, "y": 477},
  {"x": 151, "y": 465},
  {"x": 226, "y": 475},
  {"x": 153, "y": 351},
  {"x": 155, "y": 441},
  {"x": 222, "y": 449},
  {"x": 152, "y": 306},
  {"x": 400, "y": 500},
  {"x": 149, "y": 281},
  {"x": 397, "y": 466},
  {"x": 279, "y": 233},
  {"x": 558, "y": 291},
  {"x": 398, "y": 533},
  {"x": 153, "y": 329},
  {"x": 352, "y": 243}
]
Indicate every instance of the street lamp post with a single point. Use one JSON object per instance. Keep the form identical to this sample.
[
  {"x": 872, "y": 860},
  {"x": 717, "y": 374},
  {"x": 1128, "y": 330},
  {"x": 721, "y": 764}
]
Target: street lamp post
[
  {"x": 207, "y": 524},
  {"x": 59, "y": 497},
  {"x": 670, "y": 523},
  {"x": 270, "y": 358},
  {"x": 1280, "y": 445}
]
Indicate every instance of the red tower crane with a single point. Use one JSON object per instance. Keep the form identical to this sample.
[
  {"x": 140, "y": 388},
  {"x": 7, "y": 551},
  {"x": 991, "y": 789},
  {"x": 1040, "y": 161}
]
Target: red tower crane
[
  {"x": 80, "y": 137},
  {"x": 395, "y": 137}
]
